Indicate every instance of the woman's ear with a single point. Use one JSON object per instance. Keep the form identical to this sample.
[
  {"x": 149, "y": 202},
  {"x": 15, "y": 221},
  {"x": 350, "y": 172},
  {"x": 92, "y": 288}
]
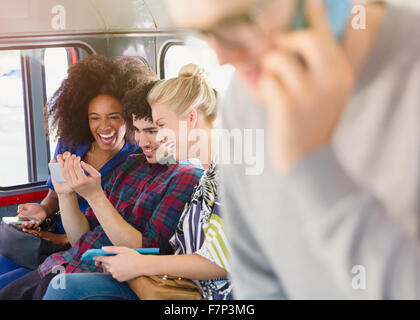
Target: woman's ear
[{"x": 192, "y": 118}]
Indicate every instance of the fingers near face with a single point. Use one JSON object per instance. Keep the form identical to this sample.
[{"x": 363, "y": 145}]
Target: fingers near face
[{"x": 287, "y": 69}]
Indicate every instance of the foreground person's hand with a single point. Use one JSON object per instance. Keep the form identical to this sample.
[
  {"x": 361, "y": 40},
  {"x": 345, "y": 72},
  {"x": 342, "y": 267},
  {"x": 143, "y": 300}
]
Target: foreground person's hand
[{"x": 306, "y": 82}]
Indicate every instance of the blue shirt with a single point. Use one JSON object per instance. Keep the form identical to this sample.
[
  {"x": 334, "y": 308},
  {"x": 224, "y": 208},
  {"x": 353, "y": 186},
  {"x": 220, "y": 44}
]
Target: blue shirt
[{"x": 80, "y": 150}]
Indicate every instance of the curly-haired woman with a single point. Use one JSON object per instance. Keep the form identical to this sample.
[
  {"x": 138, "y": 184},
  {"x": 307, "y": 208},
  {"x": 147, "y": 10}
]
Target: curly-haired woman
[{"x": 88, "y": 116}]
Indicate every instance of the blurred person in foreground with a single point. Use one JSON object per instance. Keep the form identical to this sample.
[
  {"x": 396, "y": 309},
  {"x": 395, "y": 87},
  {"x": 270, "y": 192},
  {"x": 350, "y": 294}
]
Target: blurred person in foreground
[{"x": 339, "y": 213}]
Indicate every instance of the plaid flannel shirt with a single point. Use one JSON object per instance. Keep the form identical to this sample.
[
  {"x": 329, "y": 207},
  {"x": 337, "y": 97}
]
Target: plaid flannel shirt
[{"x": 150, "y": 197}]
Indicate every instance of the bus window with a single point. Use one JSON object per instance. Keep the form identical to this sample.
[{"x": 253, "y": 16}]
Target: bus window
[
  {"x": 198, "y": 52},
  {"x": 28, "y": 79},
  {"x": 55, "y": 68},
  {"x": 14, "y": 166}
]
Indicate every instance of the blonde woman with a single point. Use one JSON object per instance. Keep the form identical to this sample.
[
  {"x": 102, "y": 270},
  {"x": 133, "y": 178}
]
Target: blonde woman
[{"x": 179, "y": 107}]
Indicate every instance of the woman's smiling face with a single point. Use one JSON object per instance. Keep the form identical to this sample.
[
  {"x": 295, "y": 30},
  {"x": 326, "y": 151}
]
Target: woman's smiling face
[
  {"x": 106, "y": 122},
  {"x": 170, "y": 125}
]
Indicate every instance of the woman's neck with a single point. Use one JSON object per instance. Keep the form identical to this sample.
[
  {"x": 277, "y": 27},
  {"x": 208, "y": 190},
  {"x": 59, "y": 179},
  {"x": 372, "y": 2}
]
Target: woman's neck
[
  {"x": 98, "y": 157},
  {"x": 206, "y": 157},
  {"x": 205, "y": 162}
]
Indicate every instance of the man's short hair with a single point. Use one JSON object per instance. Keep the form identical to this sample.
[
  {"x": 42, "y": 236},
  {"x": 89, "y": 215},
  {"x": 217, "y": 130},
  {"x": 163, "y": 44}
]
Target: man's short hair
[{"x": 135, "y": 104}]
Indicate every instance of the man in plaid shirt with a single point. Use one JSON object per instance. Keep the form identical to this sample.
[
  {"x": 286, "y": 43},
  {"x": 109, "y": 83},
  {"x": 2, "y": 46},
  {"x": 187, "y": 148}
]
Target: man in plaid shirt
[
  {"x": 150, "y": 198},
  {"x": 139, "y": 207}
]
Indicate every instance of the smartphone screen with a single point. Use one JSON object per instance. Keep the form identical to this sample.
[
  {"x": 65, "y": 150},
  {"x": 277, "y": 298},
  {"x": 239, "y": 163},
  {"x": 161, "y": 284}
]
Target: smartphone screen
[
  {"x": 18, "y": 220},
  {"x": 56, "y": 172}
]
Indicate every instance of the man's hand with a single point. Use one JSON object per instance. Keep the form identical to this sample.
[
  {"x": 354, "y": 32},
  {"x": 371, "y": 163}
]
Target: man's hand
[
  {"x": 306, "y": 82},
  {"x": 126, "y": 265},
  {"x": 31, "y": 210}
]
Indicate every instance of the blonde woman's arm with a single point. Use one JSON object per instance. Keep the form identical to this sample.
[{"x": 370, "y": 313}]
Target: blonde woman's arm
[{"x": 128, "y": 264}]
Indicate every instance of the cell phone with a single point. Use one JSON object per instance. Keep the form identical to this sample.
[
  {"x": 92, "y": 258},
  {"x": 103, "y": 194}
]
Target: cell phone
[
  {"x": 56, "y": 172},
  {"x": 91, "y": 253},
  {"x": 18, "y": 220},
  {"x": 339, "y": 12}
]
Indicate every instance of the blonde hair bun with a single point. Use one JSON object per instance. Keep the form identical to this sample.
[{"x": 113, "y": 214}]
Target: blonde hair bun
[
  {"x": 190, "y": 90},
  {"x": 192, "y": 70}
]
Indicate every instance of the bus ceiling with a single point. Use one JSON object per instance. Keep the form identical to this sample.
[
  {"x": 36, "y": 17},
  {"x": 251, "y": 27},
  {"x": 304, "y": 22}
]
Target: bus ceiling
[{"x": 52, "y": 17}]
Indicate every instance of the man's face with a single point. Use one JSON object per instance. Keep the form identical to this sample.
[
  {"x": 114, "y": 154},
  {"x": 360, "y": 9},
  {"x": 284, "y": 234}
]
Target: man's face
[
  {"x": 146, "y": 137},
  {"x": 234, "y": 41}
]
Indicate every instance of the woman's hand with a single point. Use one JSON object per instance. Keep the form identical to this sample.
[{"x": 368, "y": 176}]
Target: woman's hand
[
  {"x": 31, "y": 210},
  {"x": 62, "y": 188},
  {"x": 56, "y": 238},
  {"x": 86, "y": 186},
  {"x": 305, "y": 83},
  {"x": 126, "y": 265}
]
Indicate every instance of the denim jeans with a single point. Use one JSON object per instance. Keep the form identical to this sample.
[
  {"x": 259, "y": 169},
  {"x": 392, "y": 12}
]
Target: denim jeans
[{"x": 88, "y": 286}]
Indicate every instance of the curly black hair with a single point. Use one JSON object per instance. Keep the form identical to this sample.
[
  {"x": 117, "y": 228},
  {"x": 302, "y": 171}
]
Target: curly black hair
[
  {"x": 86, "y": 79},
  {"x": 135, "y": 104}
]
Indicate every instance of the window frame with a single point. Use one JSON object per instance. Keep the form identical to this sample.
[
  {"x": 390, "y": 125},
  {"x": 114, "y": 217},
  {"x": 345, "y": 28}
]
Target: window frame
[
  {"x": 70, "y": 61},
  {"x": 162, "y": 55},
  {"x": 35, "y": 132}
]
